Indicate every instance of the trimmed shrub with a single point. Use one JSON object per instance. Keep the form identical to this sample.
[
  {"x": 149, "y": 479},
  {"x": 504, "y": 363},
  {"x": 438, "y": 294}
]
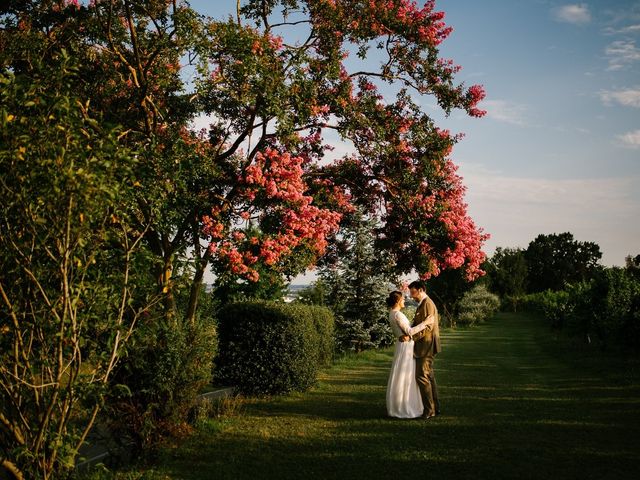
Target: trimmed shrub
[
  {"x": 325, "y": 325},
  {"x": 477, "y": 305},
  {"x": 268, "y": 348}
]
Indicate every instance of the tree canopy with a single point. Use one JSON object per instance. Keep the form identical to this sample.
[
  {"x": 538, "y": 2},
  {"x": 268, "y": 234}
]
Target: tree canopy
[
  {"x": 256, "y": 186},
  {"x": 555, "y": 260}
]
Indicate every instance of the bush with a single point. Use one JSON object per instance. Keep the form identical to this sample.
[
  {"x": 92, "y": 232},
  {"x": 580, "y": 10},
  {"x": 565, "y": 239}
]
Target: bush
[
  {"x": 447, "y": 291},
  {"x": 614, "y": 299},
  {"x": 477, "y": 305},
  {"x": 157, "y": 385},
  {"x": 269, "y": 348},
  {"x": 553, "y": 305},
  {"x": 325, "y": 326},
  {"x": 631, "y": 329},
  {"x": 607, "y": 306}
]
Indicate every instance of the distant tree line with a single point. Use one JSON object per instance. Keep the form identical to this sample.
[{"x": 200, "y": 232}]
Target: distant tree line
[
  {"x": 563, "y": 279},
  {"x": 556, "y": 275}
]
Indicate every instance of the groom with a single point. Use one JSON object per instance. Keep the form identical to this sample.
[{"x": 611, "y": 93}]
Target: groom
[{"x": 427, "y": 345}]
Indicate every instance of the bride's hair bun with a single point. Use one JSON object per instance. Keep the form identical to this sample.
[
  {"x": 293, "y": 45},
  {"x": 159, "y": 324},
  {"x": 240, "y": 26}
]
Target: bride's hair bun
[{"x": 393, "y": 298}]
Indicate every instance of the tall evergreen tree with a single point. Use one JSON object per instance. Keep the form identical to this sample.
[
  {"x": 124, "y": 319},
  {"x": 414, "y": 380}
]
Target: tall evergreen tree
[{"x": 357, "y": 286}]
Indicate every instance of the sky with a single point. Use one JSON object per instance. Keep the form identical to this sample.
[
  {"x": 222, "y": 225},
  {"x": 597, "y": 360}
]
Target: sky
[{"x": 559, "y": 148}]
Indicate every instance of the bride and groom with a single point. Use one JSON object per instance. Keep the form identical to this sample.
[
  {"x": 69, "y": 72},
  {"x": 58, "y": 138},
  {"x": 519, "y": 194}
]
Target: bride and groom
[{"x": 411, "y": 389}]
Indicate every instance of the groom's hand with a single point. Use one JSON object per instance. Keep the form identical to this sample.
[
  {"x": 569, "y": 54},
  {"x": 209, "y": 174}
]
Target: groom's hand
[{"x": 404, "y": 338}]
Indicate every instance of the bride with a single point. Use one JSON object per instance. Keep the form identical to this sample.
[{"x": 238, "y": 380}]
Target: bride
[{"x": 403, "y": 396}]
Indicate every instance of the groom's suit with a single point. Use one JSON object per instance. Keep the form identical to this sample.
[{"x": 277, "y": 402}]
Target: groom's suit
[{"x": 427, "y": 345}]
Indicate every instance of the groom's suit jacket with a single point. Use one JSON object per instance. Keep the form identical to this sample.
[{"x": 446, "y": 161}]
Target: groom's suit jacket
[{"x": 427, "y": 342}]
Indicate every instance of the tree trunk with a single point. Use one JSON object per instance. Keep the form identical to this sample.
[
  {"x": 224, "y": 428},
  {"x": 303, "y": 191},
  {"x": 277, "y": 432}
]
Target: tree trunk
[
  {"x": 196, "y": 286},
  {"x": 167, "y": 287}
]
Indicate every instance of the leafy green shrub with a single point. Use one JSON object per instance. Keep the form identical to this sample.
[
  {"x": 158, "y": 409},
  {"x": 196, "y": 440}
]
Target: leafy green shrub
[
  {"x": 553, "y": 305},
  {"x": 157, "y": 384},
  {"x": 631, "y": 329},
  {"x": 608, "y": 307},
  {"x": 67, "y": 249},
  {"x": 577, "y": 314},
  {"x": 272, "y": 348},
  {"x": 614, "y": 297},
  {"x": 477, "y": 305}
]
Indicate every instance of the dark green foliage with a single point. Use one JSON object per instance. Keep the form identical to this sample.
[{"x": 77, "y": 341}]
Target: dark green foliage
[
  {"x": 272, "y": 348},
  {"x": 605, "y": 309},
  {"x": 632, "y": 264},
  {"x": 447, "y": 290},
  {"x": 613, "y": 295},
  {"x": 67, "y": 256},
  {"x": 357, "y": 284},
  {"x": 555, "y": 260},
  {"x": 553, "y": 305},
  {"x": 315, "y": 294},
  {"x": 325, "y": 327},
  {"x": 270, "y": 286},
  {"x": 156, "y": 385},
  {"x": 507, "y": 275}
]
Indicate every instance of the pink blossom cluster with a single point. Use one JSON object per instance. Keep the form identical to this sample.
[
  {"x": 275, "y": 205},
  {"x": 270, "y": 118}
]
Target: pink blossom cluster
[
  {"x": 275, "y": 41},
  {"x": 467, "y": 239},
  {"x": 273, "y": 186},
  {"x": 66, "y": 4},
  {"x": 428, "y": 24},
  {"x": 476, "y": 94}
]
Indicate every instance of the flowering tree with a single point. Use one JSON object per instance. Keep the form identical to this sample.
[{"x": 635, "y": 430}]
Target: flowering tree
[
  {"x": 400, "y": 170},
  {"x": 272, "y": 100},
  {"x": 257, "y": 191}
]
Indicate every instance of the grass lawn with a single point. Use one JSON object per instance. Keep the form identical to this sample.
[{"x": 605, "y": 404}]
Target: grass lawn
[{"x": 516, "y": 404}]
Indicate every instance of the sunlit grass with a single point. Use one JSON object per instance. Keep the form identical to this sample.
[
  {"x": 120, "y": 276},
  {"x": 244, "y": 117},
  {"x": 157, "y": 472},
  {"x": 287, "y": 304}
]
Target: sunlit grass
[{"x": 516, "y": 404}]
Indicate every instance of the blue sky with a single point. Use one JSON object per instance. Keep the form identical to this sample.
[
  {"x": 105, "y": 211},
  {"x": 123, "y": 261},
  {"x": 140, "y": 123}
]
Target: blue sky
[{"x": 559, "y": 149}]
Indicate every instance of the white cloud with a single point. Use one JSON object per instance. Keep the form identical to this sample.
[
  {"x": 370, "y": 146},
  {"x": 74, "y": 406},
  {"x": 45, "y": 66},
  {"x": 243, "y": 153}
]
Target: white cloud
[
  {"x": 577, "y": 14},
  {"x": 630, "y": 139},
  {"x": 505, "y": 111},
  {"x": 629, "y": 97},
  {"x": 514, "y": 210},
  {"x": 628, "y": 30},
  {"x": 622, "y": 53}
]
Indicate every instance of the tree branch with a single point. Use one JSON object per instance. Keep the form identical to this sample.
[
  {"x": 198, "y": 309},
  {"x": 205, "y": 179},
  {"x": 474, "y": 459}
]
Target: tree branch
[{"x": 12, "y": 468}]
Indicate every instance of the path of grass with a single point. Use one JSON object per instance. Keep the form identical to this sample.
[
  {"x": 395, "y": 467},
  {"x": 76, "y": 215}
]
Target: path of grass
[{"x": 514, "y": 406}]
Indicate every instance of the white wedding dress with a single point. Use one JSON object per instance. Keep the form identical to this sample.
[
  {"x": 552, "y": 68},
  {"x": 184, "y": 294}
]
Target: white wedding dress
[{"x": 403, "y": 396}]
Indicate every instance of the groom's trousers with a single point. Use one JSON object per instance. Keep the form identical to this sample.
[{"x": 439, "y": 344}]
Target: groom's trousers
[{"x": 427, "y": 385}]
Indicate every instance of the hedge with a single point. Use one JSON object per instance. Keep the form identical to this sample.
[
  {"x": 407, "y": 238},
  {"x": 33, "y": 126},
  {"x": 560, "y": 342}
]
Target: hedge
[{"x": 268, "y": 348}]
